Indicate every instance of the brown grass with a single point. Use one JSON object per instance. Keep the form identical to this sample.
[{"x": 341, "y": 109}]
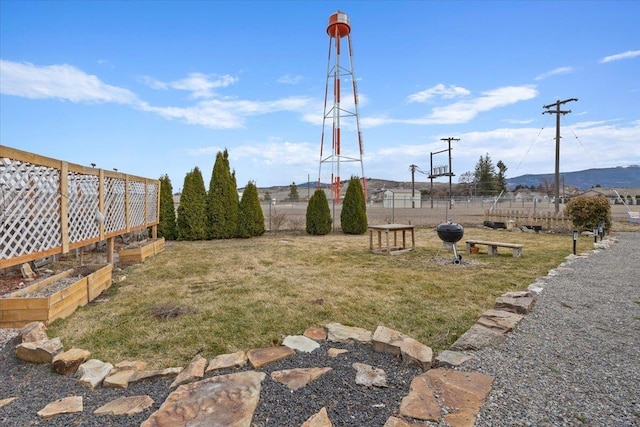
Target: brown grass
[{"x": 243, "y": 294}]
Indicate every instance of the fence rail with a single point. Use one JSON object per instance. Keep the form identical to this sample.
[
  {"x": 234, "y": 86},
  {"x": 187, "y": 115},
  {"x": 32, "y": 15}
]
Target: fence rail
[{"x": 50, "y": 206}]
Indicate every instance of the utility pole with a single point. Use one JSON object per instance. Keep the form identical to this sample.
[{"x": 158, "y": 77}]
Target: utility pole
[
  {"x": 557, "y": 112},
  {"x": 413, "y": 185},
  {"x": 450, "y": 172}
]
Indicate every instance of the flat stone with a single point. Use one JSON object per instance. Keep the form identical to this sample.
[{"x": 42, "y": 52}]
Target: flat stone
[
  {"x": 149, "y": 374},
  {"x": 335, "y": 352},
  {"x": 521, "y": 305},
  {"x": 39, "y": 351},
  {"x": 68, "y": 405},
  {"x": 125, "y": 406},
  {"x": 135, "y": 365},
  {"x": 33, "y": 332},
  {"x": 68, "y": 361},
  {"x": 316, "y": 333},
  {"x": 118, "y": 378},
  {"x": 93, "y": 372},
  {"x": 477, "y": 337},
  {"x": 223, "y": 400},
  {"x": 298, "y": 378},
  {"x": 396, "y": 422},
  {"x": 260, "y": 357},
  {"x": 224, "y": 361},
  {"x": 194, "y": 371},
  {"x": 344, "y": 334},
  {"x": 535, "y": 289},
  {"x": 319, "y": 419},
  {"x": 8, "y": 400},
  {"x": 499, "y": 320},
  {"x": 517, "y": 294},
  {"x": 300, "y": 343},
  {"x": 27, "y": 272},
  {"x": 367, "y": 375},
  {"x": 463, "y": 392},
  {"x": 386, "y": 340},
  {"x": 451, "y": 359},
  {"x": 420, "y": 403}
]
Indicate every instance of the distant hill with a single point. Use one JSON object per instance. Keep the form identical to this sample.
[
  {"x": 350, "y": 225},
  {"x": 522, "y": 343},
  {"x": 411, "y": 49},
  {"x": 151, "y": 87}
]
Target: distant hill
[{"x": 621, "y": 176}]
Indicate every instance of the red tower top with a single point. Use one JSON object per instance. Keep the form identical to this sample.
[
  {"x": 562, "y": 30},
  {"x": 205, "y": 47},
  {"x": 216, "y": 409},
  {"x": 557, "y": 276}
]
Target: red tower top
[{"x": 338, "y": 25}]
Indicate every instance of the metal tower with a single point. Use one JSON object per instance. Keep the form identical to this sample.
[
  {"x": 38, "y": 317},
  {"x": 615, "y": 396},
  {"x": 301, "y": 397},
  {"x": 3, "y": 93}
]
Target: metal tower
[{"x": 337, "y": 113}]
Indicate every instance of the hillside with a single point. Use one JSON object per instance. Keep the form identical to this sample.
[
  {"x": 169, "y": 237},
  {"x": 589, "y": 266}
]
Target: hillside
[{"x": 618, "y": 177}]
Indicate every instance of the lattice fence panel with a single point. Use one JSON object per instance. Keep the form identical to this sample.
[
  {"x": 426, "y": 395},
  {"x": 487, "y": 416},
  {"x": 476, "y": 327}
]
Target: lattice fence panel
[
  {"x": 137, "y": 194},
  {"x": 32, "y": 204},
  {"x": 152, "y": 202},
  {"x": 83, "y": 207},
  {"x": 30, "y": 208},
  {"x": 114, "y": 205}
]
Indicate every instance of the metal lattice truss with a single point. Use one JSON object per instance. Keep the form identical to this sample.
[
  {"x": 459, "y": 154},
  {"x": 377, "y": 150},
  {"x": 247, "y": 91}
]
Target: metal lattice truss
[{"x": 49, "y": 206}]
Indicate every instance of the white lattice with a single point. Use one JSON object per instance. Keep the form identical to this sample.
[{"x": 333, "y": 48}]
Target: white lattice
[
  {"x": 136, "y": 203},
  {"x": 31, "y": 203},
  {"x": 82, "y": 207},
  {"x": 152, "y": 202},
  {"x": 114, "y": 205},
  {"x": 30, "y": 208}
]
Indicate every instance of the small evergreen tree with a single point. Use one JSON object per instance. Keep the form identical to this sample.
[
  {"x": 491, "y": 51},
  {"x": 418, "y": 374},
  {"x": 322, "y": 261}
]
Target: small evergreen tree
[
  {"x": 318, "y": 220},
  {"x": 250, "y": 216},
  {"x": 353, "y": 217},
  {"x": 293, "y": 193},
  {"x": 167, "y": 224},
  {"x": 192, "y": 211},
  {"x": 485, "y": 176},
  {"x": 501, "y": 178},
  {"x": 222, "y": 200}
]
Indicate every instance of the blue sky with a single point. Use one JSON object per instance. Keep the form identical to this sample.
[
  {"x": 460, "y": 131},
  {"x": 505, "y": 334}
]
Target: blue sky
[{"x": 155, "y": 87}]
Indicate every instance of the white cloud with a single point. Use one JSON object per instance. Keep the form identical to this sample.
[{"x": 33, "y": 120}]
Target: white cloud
[
  {"x": 519, "y": 122},
  {"x": 555, "y": 72},
  {"x": 200, "y": 85},
  {"x": 438, "y": 90},
  {"x": 226, "y": 114},
  {"x": 63, "y": 82},
  {"x": 464, "y": 111},
  {"x": 619, "y": 56},
  {"x": 289, "y": 79}
]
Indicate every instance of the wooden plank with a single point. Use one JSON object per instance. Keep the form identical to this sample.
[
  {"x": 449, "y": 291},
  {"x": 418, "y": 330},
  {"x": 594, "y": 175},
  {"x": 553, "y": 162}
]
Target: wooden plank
[
  {"x": 4, "y": 263},
  {"x": 71, "y": 291},
  {"x": 101, "y": 201},
  {"x": 26, "y": 316},
  {"x": 24, "y": 156},
  {"x": 8, "y": 304},
  {"x": 64, "y": 206},
  {"x": 99, "y": 281}
]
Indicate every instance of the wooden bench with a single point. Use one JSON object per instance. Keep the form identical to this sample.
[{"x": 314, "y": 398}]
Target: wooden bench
[
  {"x": 493, "y": 247},
  {"x": 634, "y": 217}
]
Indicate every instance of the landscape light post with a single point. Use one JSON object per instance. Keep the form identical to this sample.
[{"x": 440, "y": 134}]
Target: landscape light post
[
  {"x": 595, "y": 235},
  {"x": 575, "y": 240}
]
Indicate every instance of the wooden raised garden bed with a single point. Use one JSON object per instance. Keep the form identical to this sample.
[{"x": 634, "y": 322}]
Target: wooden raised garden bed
[
  {"x": 138, "y": 251},
  {"x": 55, "y": 297}
]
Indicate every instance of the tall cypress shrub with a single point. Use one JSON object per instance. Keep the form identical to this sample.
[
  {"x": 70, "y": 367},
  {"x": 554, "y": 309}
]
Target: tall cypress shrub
[
  {"x": 192, "y": 211},
  {"x": 353, "y": 218},
  {"x": 318, "y": 221},
  {"x": 250, "y": 216},
  {"x": 222, "y": 200},
  {"x": 167, "y": 224}
]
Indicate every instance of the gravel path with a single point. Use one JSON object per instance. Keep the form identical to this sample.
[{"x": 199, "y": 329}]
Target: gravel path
[{"x": 575, "y": 360}]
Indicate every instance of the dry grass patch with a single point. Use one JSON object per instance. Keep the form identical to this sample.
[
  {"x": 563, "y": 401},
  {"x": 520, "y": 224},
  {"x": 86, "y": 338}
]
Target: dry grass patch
[{"x": 243, "y": 294}]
